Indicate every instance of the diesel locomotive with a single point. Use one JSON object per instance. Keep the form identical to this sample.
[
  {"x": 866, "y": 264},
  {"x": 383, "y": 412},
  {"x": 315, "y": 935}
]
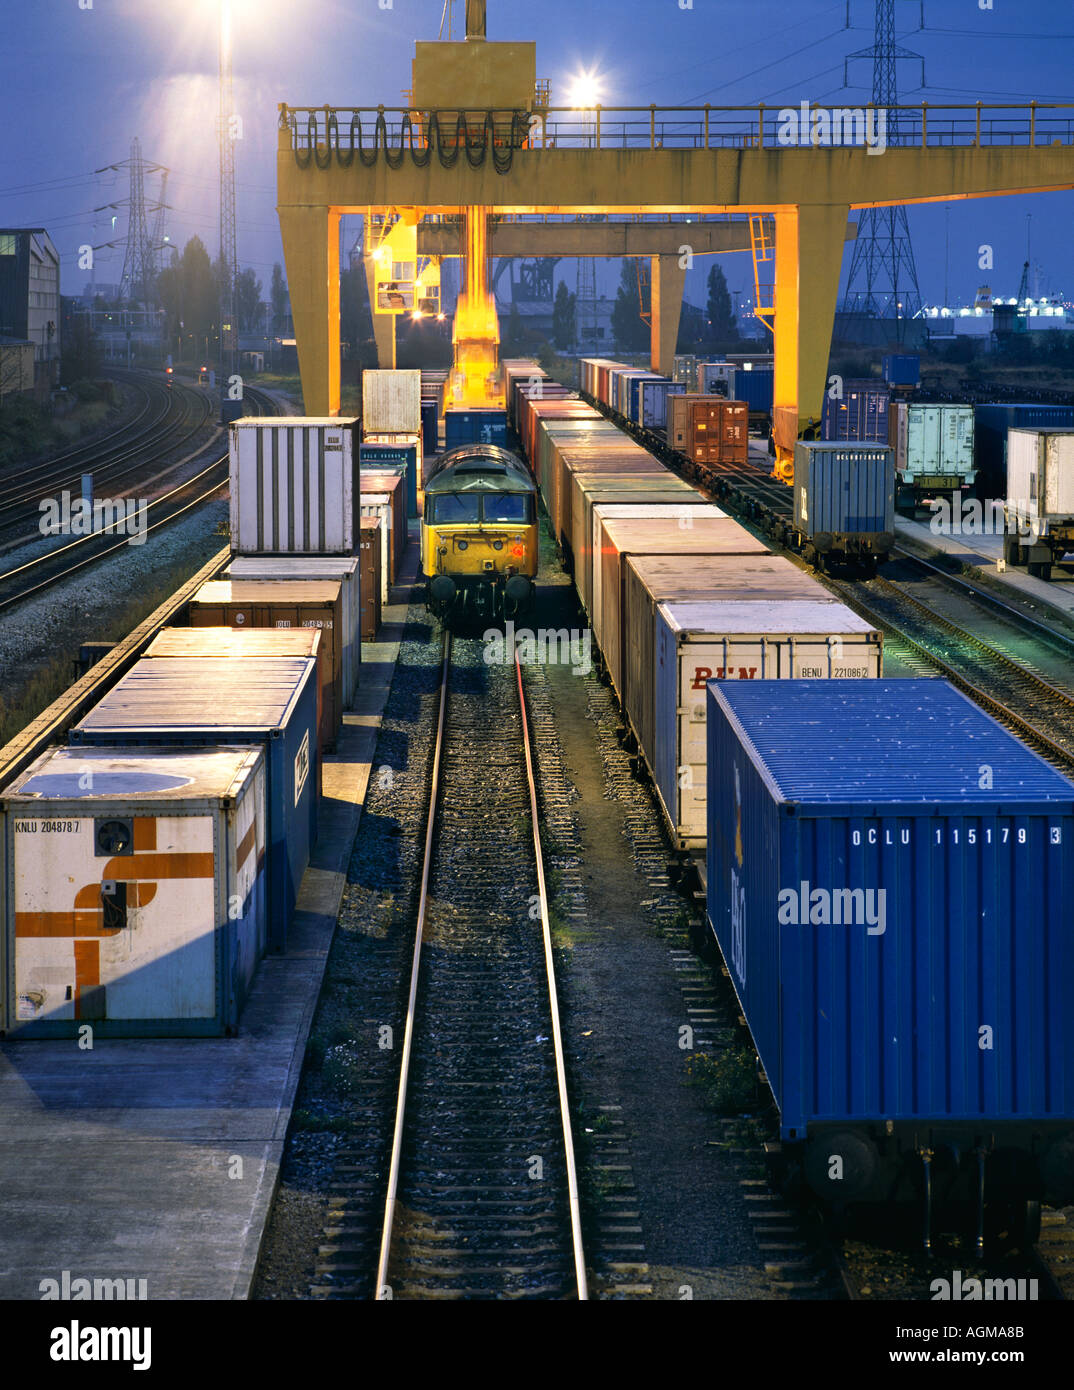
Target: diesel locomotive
[{"x": 479, "y": 533}]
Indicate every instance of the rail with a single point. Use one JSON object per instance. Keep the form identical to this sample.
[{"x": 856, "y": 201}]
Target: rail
[
  {"x": 319, "y": 134},
  {"x": 383, "y": 1288}
]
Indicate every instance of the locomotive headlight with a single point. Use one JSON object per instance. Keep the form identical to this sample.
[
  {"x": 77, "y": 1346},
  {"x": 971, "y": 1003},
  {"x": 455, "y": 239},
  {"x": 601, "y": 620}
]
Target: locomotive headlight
[
  {"x": 497, "y": 545},
  {"x": 464, "y": 545}
]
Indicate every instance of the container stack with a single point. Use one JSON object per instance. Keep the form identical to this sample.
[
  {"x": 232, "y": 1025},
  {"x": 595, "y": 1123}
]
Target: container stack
[{"x": 391, "y": 428}]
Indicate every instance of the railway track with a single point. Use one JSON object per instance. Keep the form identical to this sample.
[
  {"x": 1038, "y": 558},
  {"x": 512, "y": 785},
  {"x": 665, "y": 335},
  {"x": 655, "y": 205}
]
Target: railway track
[
  {"x": 46, "y": 570},
  {"x": 170, "y": 418},
  {"x": 480, "y": 1191}
]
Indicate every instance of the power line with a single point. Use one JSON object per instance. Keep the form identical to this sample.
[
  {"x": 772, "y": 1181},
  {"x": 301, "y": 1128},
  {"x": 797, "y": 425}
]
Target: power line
[{"x": 787, "y": 58}]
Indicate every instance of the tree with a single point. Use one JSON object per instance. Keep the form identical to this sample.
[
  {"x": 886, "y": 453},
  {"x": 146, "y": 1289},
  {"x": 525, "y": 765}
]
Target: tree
[
  {"x": 188, "y": 294},
  {"x": 278, "y": 298},
  {"x": 721, "y": 319},
  {"x": 355, "y": 318},
  {"x": 564, "y": 317},
  {"x": 631, "y": 333},
  {"x": 81, "y": 351},
  {"x": 249, "y": 305},
  {"x": 513, "y": 334}
]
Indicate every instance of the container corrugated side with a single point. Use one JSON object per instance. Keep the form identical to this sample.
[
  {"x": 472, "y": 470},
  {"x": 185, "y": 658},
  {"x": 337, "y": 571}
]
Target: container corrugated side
[
  {"x": 709, "y": 533},
  {"x": 947, "y": 999},
  {"x": 134, "y": 897},
  {"x": 345, "y": 569},
  {"x": 844, "y": 489},
  {"x": 272, "y": 702},
  {"x": 732, "y": 640},
  {"x": 391, "y": 402},
  {"x": 294, "y": 483}
]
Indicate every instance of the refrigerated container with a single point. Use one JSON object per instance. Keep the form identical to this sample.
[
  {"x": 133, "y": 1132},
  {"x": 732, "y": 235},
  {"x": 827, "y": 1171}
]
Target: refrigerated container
[
  {"x": 340, "y": 568},
  {"x": 706, "y": 530},
  {"x": 133, "y": 896},
  {"x": 1039, "y": 511},
  {"x": 933, "y": 448},
  {"x": 391, "y": 402},
  {"x": 269, "y": 702},
  {"x": 715, "y": 379},
  {"x": 285, "y": 603},
  {"x": 294, "y": 485},
  {"x": 891, "y": 886}
]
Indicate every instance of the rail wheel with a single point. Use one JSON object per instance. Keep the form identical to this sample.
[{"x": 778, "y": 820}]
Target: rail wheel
[{"x": 1041, "y": 570}]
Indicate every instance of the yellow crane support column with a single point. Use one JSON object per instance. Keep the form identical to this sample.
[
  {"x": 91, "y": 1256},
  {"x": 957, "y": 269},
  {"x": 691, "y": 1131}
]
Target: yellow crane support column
[
  {"x": 809, "y": 258},
  {"x": 311, "y": 253},
  {"x": 668, "y": 283}
]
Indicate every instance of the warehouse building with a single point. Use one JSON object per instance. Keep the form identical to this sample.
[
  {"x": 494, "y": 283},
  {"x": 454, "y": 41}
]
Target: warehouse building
[{"x": 30, "y": 297}]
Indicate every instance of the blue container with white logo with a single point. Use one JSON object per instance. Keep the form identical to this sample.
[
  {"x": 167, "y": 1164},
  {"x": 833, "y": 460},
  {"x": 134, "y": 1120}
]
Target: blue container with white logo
[
  {"x": 844, "y": 490},
  {"x": 891, "y": 884},
  {"x": 268, "y": 701},
  {"x": 474, "y": 427}
]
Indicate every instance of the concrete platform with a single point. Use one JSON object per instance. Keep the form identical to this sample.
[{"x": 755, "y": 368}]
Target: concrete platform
[
  {"x": 985, "y": 554},
  {"x": 158, "y": 1159}
]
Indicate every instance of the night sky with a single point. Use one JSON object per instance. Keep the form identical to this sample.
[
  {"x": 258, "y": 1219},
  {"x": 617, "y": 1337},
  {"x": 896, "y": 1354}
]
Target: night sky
[{"x": 80, "y": 83}]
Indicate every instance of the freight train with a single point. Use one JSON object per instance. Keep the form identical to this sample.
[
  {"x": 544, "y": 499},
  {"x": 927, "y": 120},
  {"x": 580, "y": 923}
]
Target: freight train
[
  {"x": 905, "y": 995},
  {"x": 839, "y": 512},
  {"x": 479, "y": 536}
]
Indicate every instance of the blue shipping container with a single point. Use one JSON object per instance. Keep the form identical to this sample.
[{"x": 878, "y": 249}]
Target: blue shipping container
[
  {"x": 394, "y": 458},
  {"x": 860, "y": 414},
  {"x": 844, "y": 489},
  {"x": 755, "y": 388},
  {"x": 475, "y": 427},
  {"x": 209, "y": 700},
  {"x": 902, "y": 368},
  {"x": 430, "y": 427},
  {"x": 891, "y": 883},
  {"x": 991, "y": 423}
]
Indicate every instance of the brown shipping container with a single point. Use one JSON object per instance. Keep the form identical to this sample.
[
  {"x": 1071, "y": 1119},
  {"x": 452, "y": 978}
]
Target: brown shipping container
[
  {"x": 243, "y": 642},
  {"x": 649, "y": 580},
  {"x": 708, "y": 429},
  {"x": 369, "y": 551},
  {"x": 393, "y": 484},
  {"x": 598, "y": 489},
  {"x": 651, "y": 536},
  {"x": 248, "y": 603}
]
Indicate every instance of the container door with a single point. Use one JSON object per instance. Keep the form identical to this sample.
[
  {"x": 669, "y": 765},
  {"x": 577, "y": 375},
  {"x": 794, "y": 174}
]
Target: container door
[
  {"x": 115, "y": 918},
  {"x": 842, "y": 657},
  {"x": 1061, "y": 475}
]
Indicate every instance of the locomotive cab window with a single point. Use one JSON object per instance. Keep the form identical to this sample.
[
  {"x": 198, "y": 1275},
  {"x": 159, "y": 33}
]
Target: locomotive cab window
[
  {"x": 507, "y": 506},
  {"x": 455, "y": 507}
]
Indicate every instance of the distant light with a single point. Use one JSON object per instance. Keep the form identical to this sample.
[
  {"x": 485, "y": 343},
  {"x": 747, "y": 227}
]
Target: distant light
[
  {"x": 440, "y": 317},
  {"x": 417, "y": 314}
]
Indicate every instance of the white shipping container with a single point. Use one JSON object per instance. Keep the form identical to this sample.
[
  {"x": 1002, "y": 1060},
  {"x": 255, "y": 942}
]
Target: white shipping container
[
  {"x": 391, "y": 402},
  {"x": 698, "y": 642},
  {"x": 1040, "y": 477},
  {"x": 134, "y": 891},
  {"x": 294, "y": 481},
  {"x": 716, "y": 379},
  {"x": 326, "y": 567},
  {"x": 934, "y": 441},
  {"x": 378, "y": 505}
]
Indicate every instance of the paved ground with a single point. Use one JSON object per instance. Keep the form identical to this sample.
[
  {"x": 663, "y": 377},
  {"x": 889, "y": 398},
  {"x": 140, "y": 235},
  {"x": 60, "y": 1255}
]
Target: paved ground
[{"x": 158, "y": 1159}]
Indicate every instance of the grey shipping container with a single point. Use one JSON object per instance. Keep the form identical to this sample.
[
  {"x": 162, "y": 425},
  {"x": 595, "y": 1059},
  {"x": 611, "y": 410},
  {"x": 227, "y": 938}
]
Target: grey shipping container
[
  {"x": 343, "y": 568},
  {"x": 844, "y": 490},
  {"x": 270, "y": 702},
  {"x": 294, "y": 485},
  {"x": 133, "y": 897}
]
